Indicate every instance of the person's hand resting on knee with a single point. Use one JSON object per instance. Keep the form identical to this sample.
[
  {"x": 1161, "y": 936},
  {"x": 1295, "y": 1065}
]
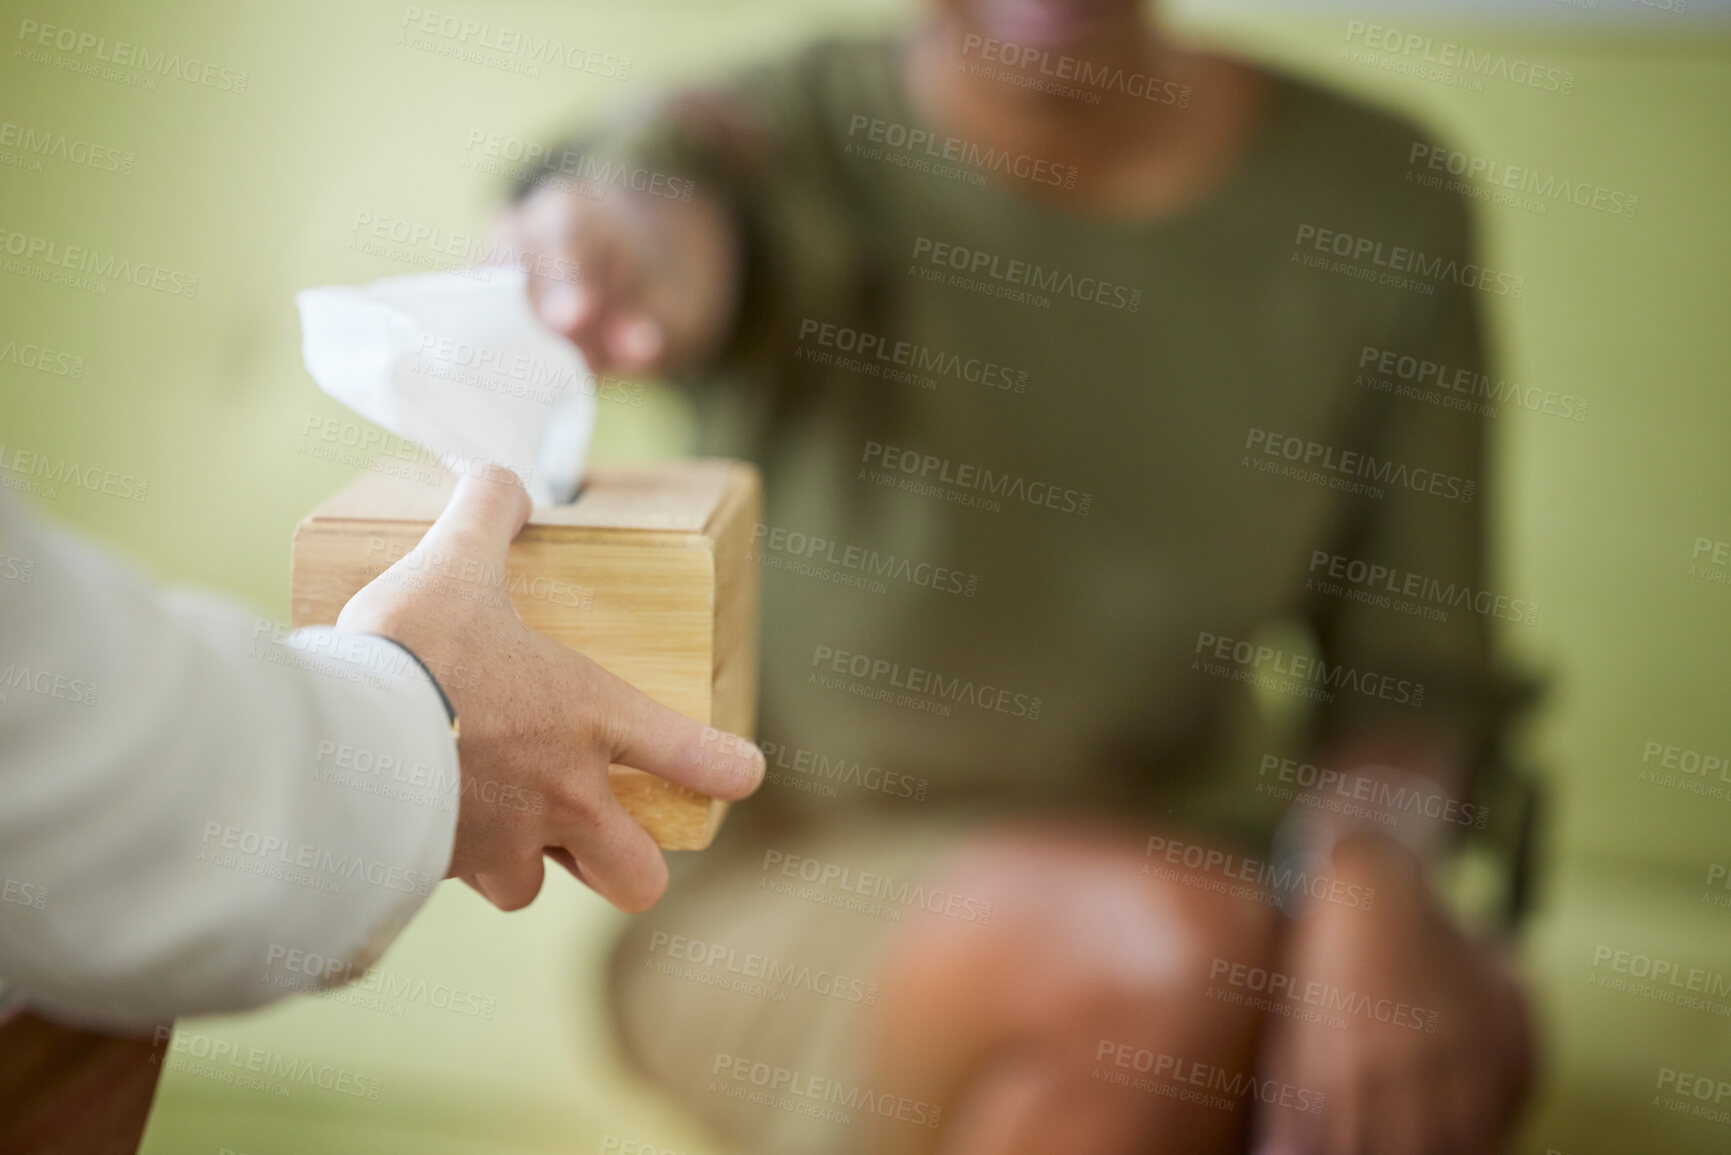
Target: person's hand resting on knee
[
  {"x": 1433, "y": 1048},
  {"x": 538, "y": 722}
]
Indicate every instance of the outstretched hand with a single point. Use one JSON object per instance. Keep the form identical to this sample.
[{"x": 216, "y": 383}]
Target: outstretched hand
[
  {"x": 639, "y": 283},
  {"x": 539, "y": 723}
]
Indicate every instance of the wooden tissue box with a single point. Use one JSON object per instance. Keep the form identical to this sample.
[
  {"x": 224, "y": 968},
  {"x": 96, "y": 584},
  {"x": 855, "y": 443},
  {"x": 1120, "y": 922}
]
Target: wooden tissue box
[{"x": 648, "y": 572}]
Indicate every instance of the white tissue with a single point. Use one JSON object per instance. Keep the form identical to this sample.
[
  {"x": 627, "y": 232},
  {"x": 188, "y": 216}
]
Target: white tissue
[{"x": 460, "y": 364}]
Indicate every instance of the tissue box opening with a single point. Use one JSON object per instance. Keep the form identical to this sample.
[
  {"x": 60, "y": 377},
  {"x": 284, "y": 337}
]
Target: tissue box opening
[{"x": 648, "y": 572}]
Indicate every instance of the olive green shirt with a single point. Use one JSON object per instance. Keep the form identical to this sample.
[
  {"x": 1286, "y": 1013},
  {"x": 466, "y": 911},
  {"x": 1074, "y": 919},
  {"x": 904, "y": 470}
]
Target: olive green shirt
[{"x": 1040, "y": 486}]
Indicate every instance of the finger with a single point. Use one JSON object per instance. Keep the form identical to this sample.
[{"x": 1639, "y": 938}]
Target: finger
[
  {"x": 1284, "y": 1132},
  {"x": 1303, "y": 1132},
  {"x": 563, "y": 857},
  {"x": 1275, "y": 1131},
  {"x": 1468, "y": 1127},
  {"x": 546, "y": 227},
  {"x": 486, "y": 511},
  {"x": 578, "y": 312},
  {"x": 513, "y": 887},
  {"x": 573, "y": 293},
  {"x": 466, "y": 546},
  {"x": 1351, "y": 1131},
  {"x": 1401, "y": 1122},
  {"x": 635, "y": 341},
  {"x": 574, "y": 303},
  {"x": 567, "y": 306},
  {"x": 661, "y": 741},
  {"x": 1289, "y": 1139},
  {"x": 615, "y": 857}
]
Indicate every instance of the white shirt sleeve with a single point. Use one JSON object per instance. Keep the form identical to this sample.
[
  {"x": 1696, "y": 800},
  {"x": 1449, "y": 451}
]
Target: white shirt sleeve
[{"x": 198, "y": 807}]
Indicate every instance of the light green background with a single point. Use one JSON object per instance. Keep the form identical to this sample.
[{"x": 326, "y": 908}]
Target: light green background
[{"x": 255, "y": 194}]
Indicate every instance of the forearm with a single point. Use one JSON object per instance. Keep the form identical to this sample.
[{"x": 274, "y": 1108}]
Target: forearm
[
  {"x": 726, "y": 220},
  {"x": 209, "y": 800}
]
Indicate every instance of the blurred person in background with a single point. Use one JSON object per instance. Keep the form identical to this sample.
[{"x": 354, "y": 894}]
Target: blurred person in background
[{"x": 1040, "y": 259}]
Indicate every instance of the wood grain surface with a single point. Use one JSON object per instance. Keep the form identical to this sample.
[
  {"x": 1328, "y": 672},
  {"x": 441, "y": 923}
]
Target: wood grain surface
[{"x": 649, "y": 572}]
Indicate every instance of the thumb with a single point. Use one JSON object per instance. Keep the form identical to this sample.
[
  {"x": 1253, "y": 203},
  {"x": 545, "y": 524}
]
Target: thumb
[{"x": 485, "y": 512}]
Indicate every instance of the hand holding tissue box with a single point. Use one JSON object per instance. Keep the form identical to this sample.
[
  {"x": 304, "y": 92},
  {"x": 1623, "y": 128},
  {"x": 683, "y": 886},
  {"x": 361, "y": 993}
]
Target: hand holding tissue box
[{"x": 647, "y": 570}]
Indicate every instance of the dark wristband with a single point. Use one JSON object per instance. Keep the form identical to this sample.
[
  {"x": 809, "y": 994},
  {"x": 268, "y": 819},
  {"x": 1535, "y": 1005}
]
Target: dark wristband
[{"x": 444, "y": 698}]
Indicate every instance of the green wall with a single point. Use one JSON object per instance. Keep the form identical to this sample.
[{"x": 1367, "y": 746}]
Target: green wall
[{"x": 256, "y": 193}]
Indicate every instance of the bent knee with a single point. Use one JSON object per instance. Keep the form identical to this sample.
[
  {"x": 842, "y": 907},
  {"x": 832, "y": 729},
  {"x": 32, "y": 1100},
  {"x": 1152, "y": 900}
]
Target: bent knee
[{"x": 1078, "y": 939}]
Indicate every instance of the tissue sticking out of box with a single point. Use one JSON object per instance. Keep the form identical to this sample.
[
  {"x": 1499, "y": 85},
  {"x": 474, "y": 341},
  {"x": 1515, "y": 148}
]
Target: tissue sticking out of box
[{"x": 459, "y": 364}]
